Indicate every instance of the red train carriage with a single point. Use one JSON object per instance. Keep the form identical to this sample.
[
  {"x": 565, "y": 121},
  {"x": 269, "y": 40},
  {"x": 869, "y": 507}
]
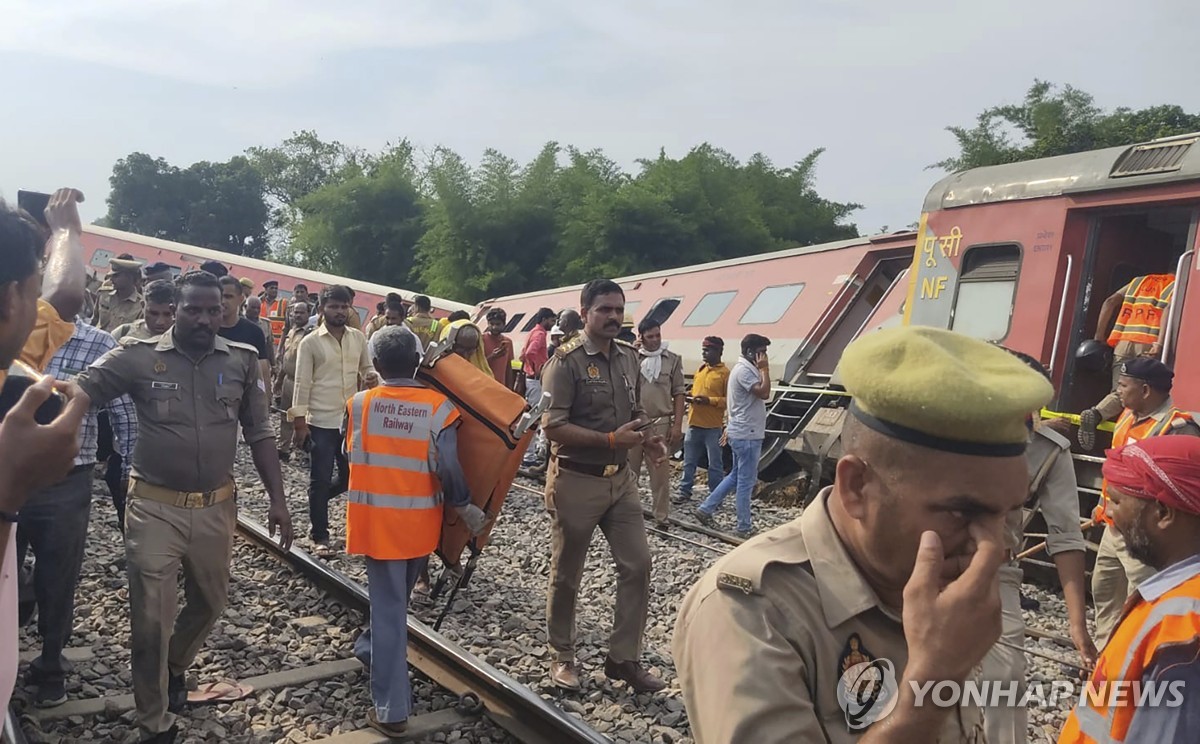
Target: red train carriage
[
  {"x": 803, "y": 299},
  {"x": 101, "y": 244},
  {"x": 1025, "y": 254}
]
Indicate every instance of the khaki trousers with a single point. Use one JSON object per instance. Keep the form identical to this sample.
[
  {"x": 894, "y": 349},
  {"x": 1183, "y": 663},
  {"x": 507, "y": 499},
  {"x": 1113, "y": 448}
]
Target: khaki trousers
[
  {"x": 660, "y": 475},
  {"x": 578, "y": 504},
  {"x": 285, "y": 426},
  {"x": 1005, "y": 666},
  {"x": 1110, "y": 407},
  {"x": 1115, "y": 575},
  {"x": 159, "y": 539}
]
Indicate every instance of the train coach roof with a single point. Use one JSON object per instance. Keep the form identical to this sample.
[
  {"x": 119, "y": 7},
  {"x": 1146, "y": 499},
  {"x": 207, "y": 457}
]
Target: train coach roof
[
  {"x": 1165, "y": 160},
  {"x": 754, "y": 258},
  {"x": 255, "y": 263}
]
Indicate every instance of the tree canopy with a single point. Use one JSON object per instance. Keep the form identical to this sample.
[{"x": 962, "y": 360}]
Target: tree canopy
[
  {"x": 212, "y": 205},
  {"x": 1052, "y": 121},
  {"x": 439, "y": 224}
]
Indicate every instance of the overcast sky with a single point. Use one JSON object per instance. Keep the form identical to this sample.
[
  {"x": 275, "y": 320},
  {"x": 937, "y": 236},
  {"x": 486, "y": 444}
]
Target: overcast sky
[{"x": 874, "y": 82}]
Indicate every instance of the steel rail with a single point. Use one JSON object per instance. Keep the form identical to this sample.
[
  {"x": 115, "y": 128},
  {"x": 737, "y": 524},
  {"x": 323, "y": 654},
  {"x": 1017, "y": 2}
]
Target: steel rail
[{"x": 511, "y": 705}]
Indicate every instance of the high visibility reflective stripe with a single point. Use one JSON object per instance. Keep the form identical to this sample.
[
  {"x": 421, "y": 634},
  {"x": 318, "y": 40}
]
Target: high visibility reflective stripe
[
  {"x": 388, "y": 501},
  {"x": 1173, "y": 607},
  {"x": 375, "y": 459},
  {"x": 1093, "y": 724}
]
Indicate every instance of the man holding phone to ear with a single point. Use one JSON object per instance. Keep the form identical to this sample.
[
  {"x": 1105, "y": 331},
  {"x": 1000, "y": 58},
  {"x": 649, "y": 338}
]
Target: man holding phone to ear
[{"x": 749, "y": 389}]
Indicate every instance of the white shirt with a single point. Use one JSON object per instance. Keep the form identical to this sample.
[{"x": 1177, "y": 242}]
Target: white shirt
[{"x": 328, "y": 375}]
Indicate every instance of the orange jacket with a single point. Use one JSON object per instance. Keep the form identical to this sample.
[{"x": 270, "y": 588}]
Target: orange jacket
[
  {"x": 276, "y": 313},
  {"x": 1141, "y": 315},
  {"x": 1171, "y": 618},
  {"x": 1130, "y": 430},
  {"x": 394, "y": 508}
]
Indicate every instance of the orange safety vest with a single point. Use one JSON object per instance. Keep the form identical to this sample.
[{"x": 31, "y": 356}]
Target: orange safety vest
[
  {"x": 277, "y": 314},
  {"x": 1141, "y": 315},
  {"x": 394, "y": 505},
  {"x": 1102, "y": 715},
  {"x": 1128, "y": 431}
]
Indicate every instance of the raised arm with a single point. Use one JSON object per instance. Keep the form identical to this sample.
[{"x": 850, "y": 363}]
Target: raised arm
[{"x": 64, "y": 280}]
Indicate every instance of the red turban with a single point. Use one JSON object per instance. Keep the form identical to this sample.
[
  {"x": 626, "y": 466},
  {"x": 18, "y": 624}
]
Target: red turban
[{"x": 1165, "y": 469}]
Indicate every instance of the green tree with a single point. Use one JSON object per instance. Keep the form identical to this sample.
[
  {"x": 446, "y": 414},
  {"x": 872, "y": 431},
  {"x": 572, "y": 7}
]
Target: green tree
[
  {"x": 365, "y": 226},
  {"x": 297, "y": 167},
  {"x": 212, "y": 205},
  {"x": 1058, "y": 122}
]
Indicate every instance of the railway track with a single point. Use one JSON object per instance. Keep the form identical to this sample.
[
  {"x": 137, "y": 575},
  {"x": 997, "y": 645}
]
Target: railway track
[{"x": 511, "y": 705}]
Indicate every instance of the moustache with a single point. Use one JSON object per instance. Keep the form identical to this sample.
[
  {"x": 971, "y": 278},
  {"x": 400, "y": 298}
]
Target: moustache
[{"x": 612, "y": 324}]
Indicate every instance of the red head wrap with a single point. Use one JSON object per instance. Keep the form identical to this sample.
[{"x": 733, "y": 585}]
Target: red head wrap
[{"x": 1165, "y": 469}]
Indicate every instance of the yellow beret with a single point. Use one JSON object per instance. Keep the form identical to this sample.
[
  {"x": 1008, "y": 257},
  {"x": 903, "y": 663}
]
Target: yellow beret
[
  {"x": 628, "y": 321},
  {"x": 246, "y": 282},
  {"x": 942, "y": 390}
]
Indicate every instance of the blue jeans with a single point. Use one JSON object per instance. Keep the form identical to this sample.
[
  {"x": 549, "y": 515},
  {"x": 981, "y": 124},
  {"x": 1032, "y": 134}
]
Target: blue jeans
[
  {"x": 326, "y": 453},
  {"x": 383, "y": 647},
  {"x": 701, "y": 440},
  {"x": 743, "y": 476}
]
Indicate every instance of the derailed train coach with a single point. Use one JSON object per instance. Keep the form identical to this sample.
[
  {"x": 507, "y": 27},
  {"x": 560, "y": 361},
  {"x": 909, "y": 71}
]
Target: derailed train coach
[
  {"x": 809, "y": 301},
  {"x": 1025, "y": 254},
  {"x": 101, "y": 244}
]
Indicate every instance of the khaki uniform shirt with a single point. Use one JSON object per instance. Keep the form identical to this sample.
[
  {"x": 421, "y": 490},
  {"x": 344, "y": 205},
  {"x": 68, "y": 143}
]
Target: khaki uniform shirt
[
  {"x": 291, "y": 352},
  {"x": 425, "y": 326},
  {"x": 111, "y": 311},
  {"x": 658, "y": 397},
  {"x": 1052, "y": 481},
  {"x": 188, "y": 411},
  {"x": 135, "y": 331},
  {"x": 592, "y": 390},
  {"x": 762, "y": 640}
]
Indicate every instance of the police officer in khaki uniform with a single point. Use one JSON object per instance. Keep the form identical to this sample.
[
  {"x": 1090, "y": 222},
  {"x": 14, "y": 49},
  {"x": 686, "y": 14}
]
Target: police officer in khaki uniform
[
  {"x": 662, "y": 392},
  {"x": 285, "y": 383},
  {"x": 813, "y": 631},
  {"x": 158, "y": 313},
  {"x": 191, "y": 389},
  {"x": 119, "y": 301},
  {"x": 593, "y": 422}
]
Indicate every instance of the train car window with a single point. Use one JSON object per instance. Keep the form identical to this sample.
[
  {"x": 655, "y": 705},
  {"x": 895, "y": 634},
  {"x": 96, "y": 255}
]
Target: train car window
[
  {"x": 709, "y": 308},
  {"x": 512, "y": 322},
  {"x": 986, "y": 287},
  {"x": 662, "y": 309},
  {"x": 771, "y": 304},
  {"x": 529, "y": 324},
  {"x": 101, "y": 258}
]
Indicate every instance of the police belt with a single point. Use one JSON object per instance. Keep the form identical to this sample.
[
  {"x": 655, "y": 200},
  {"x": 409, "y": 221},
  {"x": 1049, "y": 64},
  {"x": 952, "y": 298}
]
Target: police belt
[
  {"x": 140, "y": 489},
  {"x": 598, "y": 471}
]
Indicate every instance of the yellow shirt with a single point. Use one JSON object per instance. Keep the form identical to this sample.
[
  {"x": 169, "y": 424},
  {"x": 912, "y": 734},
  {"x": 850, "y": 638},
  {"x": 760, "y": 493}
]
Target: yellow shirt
[
  {"x": 328, "y": 373},
  {"x": 710, "y": 382},
  {"x": 49, "y": 333}
]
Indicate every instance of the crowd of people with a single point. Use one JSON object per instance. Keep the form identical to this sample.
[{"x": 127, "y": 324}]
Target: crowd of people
[{"x": 909, "y": 557}]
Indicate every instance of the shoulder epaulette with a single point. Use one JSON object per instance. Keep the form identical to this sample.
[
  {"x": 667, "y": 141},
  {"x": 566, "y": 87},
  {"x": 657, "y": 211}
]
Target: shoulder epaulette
[
  {"x": 242, "y": 346},
  {"x": 568, "y": 347},
  {"x": 626, "y": 344}
]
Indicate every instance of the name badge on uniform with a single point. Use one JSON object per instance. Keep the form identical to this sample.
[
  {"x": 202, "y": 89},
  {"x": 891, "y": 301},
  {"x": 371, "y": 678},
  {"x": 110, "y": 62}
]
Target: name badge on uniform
[{"x": 156, "y": 385}]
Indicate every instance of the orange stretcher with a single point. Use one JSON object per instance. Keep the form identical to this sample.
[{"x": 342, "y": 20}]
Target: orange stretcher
[{"x": 496, "y": 430}]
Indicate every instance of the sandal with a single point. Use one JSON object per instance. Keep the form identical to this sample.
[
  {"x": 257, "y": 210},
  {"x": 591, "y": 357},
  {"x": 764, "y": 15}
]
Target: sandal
[
  {"x": 324, "y": 550},
  {"x": 219, "y": 691}
]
